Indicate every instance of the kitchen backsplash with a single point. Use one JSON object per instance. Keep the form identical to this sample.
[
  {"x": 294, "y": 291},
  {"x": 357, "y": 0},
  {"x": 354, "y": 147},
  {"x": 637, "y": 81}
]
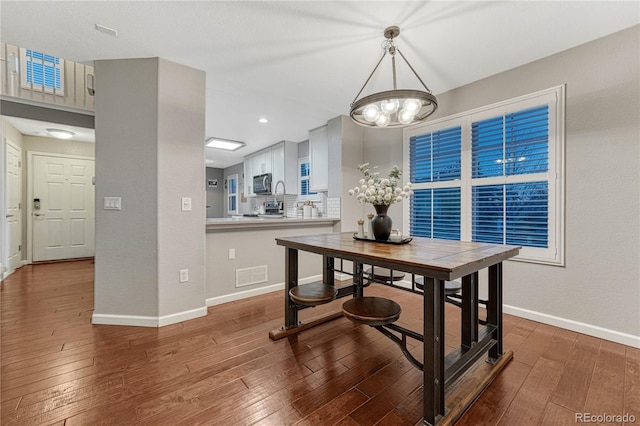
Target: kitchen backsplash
[{"x": 328, "y": 207}]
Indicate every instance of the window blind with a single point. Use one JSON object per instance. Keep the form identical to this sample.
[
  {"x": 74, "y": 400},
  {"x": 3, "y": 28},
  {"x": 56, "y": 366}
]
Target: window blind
[
  {"x": 511, "y": 214},
  {"x": 43, "y": 70},
  {"x": 512, "y": 144},
  {"x": 435, "y": 157},
  {"x": 435, "y": 213}
]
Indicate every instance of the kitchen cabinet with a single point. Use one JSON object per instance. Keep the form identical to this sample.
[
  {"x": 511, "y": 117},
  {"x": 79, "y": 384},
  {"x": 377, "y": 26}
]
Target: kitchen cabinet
[
  {"x": 319, "y": 159},
  {"x": 281, "y": 160}
]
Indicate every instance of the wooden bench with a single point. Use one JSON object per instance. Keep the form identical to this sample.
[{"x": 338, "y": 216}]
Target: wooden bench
[
  {"x": 373, "y": 311},
  {"x": 313, "y": 294}
]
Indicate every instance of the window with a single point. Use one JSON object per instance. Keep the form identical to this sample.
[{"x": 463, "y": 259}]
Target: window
[
  {"x": 492, "y": 175},
  {"x": 232, "y": 194},
  {"x": 42, "y": 72},
  {"x": 304, "y": 171}
]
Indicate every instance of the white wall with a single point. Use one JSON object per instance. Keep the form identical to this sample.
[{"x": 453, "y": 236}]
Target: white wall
[{"x": 598, "y": 291}]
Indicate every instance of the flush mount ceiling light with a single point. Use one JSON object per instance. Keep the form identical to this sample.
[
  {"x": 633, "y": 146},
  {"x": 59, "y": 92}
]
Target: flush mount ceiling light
[
  {"x": 60, "y": 133},
  {"x": 263, "y": 120},
  {"x": 397, "y": 107},
  {"x": 226, "y": 144}
]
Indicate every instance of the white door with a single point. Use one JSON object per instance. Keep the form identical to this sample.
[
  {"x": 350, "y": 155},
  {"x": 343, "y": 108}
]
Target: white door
[
  {"x": 14, "y": 207},
  {"x": 63, "y": 210}
]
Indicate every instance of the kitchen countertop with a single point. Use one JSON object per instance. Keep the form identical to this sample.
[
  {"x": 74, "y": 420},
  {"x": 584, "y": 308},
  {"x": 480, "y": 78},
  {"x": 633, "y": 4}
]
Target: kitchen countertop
[{"x": 227, "y": 223}]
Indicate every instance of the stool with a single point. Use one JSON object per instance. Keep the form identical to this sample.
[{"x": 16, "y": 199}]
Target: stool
[
  {"x": 373, "y": 311},
  {"x": 313, "y": 294},
  {"x": 382, "y": 274},
  {"x": 451, "y": 293},
  {"x": 450, "y": 287}
]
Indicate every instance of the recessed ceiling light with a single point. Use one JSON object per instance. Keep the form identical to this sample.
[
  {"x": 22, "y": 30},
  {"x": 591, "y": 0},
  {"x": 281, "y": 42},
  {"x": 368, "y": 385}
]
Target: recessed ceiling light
[
  {"x": 226, "y": 144},
  {"x": 263, "y": 120},
  {"x": 60, "y": 133}
]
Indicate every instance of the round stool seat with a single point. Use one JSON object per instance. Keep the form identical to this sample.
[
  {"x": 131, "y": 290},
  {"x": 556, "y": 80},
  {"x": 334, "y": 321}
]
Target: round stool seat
[
  {"x": 384, "y": 274},
  {"x": 450, "y": 287},
  {"x": 313, "y": 294},
  {"x": 371, "y": 310}
]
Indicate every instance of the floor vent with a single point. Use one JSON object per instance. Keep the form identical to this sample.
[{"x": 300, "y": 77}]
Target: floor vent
[{"x": 250, "y": 276}]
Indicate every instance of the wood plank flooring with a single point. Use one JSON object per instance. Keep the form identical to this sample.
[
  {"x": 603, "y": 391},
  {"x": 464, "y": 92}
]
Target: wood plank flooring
[{"x": 59, "y": 369}]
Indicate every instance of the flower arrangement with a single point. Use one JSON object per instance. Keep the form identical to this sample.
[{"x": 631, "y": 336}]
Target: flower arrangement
[{"x": 376, "y": 190}]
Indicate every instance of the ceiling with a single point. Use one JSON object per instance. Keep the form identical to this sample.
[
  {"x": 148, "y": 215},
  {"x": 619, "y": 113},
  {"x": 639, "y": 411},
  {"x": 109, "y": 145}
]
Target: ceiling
[{"x": 300, "y": 63}]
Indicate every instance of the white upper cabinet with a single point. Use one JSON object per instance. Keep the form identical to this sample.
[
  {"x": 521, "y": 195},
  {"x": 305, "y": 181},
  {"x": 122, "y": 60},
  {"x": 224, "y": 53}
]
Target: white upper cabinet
[
  {"x": 281, "y": 160},
  {"x": 319, "y": 159}
]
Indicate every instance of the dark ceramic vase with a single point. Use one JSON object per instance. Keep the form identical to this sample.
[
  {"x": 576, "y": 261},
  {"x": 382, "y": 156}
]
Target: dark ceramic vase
[{"x": 381, "y": 223}]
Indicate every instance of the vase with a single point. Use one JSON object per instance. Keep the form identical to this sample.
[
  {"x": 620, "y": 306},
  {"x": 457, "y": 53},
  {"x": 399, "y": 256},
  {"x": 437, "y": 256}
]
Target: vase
[{"x": 381, "y": 223}]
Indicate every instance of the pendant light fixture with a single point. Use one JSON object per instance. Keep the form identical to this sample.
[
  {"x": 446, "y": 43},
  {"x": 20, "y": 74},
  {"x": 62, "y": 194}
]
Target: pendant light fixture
[{"x": 397, "y": 107}]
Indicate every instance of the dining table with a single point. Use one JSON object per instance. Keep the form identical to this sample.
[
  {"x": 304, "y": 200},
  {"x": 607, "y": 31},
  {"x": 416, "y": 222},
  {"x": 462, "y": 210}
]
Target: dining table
[{"x": 451, "y": 381}]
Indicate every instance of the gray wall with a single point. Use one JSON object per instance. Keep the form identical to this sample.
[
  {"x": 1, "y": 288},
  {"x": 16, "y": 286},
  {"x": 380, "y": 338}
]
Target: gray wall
[
  {"x": 600, "y": 285},
  {"x": 149, "y": 151},
  {"x": 215, "y": 195}
]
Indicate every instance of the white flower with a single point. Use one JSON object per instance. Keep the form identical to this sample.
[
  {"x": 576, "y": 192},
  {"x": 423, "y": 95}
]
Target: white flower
[{"x": 374, "y": 189}]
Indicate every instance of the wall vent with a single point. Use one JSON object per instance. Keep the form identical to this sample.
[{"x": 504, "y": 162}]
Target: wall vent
[{"x": 253, "y": 275}]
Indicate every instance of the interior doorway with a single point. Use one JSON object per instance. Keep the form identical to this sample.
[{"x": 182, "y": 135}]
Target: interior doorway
[{"x": 61, "y": 206}]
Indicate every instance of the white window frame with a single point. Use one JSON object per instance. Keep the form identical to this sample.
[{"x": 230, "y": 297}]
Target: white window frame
[
  {"x": 37, "y": 87},
  {"x": 554, "y": 98},
  {"x": 232, "y": 194}
]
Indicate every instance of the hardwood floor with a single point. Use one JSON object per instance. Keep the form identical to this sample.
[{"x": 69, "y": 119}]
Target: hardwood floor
[{"x": 58, "y": 369}]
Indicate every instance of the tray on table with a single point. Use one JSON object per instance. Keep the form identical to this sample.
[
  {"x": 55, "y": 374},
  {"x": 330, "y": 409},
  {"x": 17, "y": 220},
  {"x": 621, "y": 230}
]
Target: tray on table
[{"x": 402, "y": 241}]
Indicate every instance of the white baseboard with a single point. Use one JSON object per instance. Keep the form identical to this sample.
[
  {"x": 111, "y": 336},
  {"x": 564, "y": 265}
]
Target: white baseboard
[
  {"x": 579, "y": 327},
  {"x": 218, "y": 300},
  {"x": 146, "y": 321}
]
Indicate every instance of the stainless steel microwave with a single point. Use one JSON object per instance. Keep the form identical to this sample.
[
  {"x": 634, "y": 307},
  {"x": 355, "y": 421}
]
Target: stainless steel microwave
[{"x": 262, "y": 184}]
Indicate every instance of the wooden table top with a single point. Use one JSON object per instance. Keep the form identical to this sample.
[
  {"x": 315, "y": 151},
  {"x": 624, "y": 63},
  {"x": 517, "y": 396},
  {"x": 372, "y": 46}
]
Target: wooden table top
[{"x": 441, "y": 259}]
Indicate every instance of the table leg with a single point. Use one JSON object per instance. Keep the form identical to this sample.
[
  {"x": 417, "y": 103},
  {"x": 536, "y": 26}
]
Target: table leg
[
  {"x": 469, "y": 310},
  {"x": 328, "y": 276},
  {"x": 291, "y": 280},
  {"x": 433, "y": 404},
  {"x": 494, "y": 309},
  {"x": 358, "y": 279}
]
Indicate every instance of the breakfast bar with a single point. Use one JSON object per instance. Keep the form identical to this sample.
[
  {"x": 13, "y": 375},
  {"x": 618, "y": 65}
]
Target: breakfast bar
[{"x": 446, "y": 394}]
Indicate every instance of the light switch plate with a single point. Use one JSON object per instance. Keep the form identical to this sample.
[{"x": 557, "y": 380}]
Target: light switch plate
[
  {"x": 113, "y": 203},
  {"x": 184, "y": 275},
  {"x": 186, "y": 204}
]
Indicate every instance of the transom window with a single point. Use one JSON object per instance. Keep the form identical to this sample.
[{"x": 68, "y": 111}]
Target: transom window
[{"x": 492, "y": 175}]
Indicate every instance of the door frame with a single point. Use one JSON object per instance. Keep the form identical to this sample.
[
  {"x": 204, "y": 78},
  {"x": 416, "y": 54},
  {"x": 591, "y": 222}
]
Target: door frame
[
  {"x": 30, "y": 179},
  {"x": 5, "y": 224}
]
